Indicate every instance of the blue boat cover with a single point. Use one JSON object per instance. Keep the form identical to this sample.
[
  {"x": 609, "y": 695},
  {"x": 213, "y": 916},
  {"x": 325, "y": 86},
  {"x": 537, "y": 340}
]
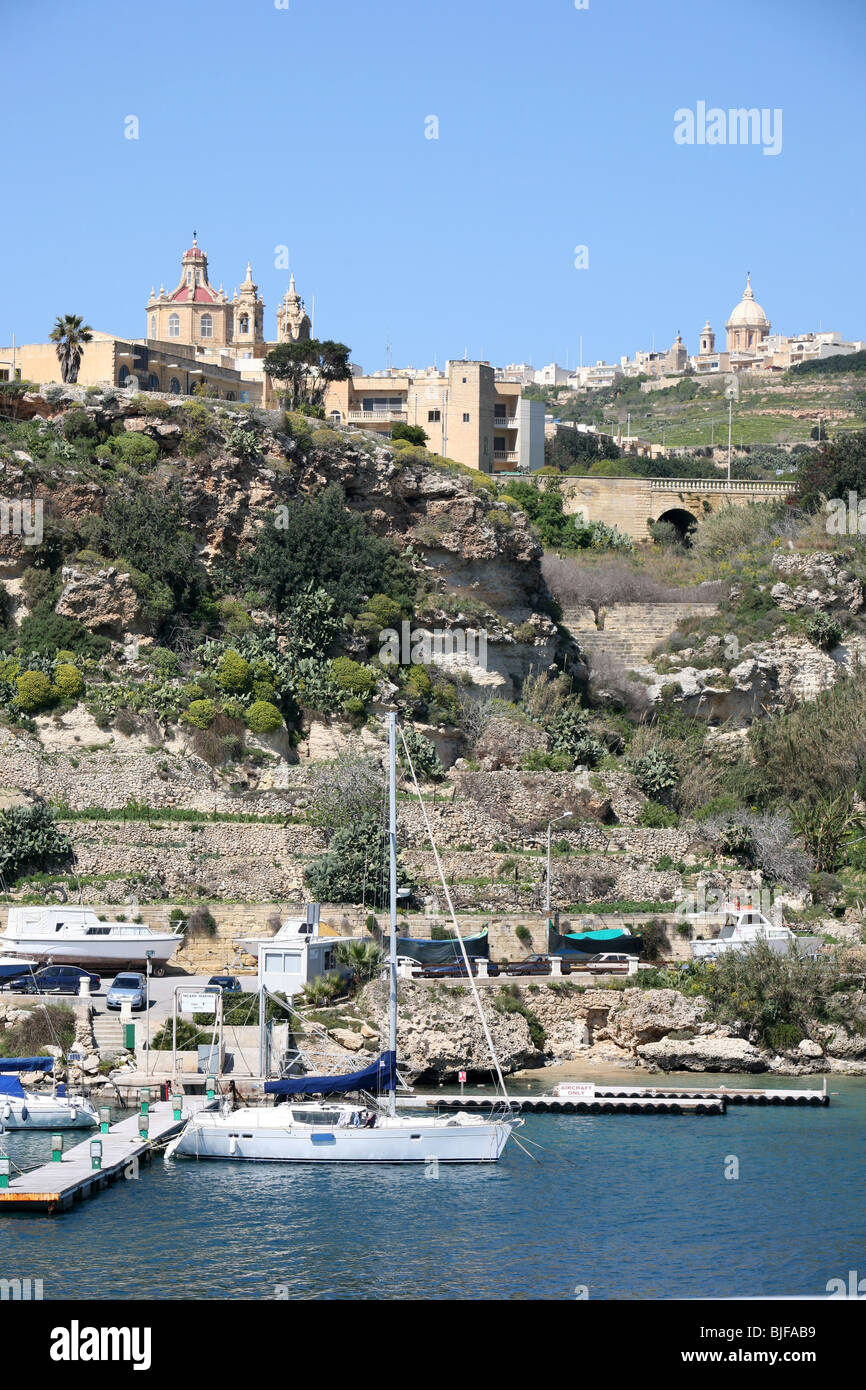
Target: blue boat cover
[
  {"x": 26, "y": 1063},
  {"x": 11, "y": 1086},
  {"x": 587, "y": 942},
  {"x": 381, "y": 1075}
]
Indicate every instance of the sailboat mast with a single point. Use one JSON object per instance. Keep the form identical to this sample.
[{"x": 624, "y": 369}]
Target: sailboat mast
[{"x": 392, "y": 894}]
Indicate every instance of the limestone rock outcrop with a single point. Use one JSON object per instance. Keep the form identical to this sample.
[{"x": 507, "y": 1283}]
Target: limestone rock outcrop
[
  {"x": 815, "y": 581},
  {"x": 102, "y": 600}
]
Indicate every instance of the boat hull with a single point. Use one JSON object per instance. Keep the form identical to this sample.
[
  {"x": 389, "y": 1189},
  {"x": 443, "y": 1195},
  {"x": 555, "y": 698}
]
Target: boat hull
[
  {"x": 106, "y": 955},
  {"x": 478, "y": 1142},
  {"x": 45, "y": 1112}
]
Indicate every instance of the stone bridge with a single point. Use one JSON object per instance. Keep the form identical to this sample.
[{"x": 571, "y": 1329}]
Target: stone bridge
[{"x": 632, "y": 503}]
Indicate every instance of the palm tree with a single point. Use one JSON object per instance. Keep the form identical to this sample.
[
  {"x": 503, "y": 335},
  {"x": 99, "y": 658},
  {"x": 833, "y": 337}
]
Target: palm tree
[
  {"x": 70, "y": 333},
  {"x": 362, "y": 957}
]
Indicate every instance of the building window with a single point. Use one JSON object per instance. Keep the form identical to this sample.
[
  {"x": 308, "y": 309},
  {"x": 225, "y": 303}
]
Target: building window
[
  {"x": 174, "y": 325},
  {"x": 123, "y": 376},
  {"x": 207, "y": 325},
  {"x": 245, "y": 323},
  {"x": 153, "y": 382},
  {"x": 189, "y": 277},
  {"x": 230, "y": 395},
  {"x": 466, "y": 417},
  {"x": 499, "y": 445},
  {"x": 198, "y": 277},
  {"x": 174, "y": 386},
  {"x": 433, "y": 416},
  {"x": 153, "y": 325}
]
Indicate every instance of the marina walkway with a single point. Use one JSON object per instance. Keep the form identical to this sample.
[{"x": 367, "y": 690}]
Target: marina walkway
[{"x": 55, "y": 1186}]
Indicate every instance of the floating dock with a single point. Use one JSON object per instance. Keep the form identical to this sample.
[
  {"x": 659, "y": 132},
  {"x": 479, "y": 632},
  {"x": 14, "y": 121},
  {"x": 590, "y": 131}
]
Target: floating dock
[
  {"x": 57, "y": 1185},
  {"x": 629, "y": 1100}
]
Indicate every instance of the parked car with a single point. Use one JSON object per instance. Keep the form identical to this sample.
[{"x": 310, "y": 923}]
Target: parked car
[
  {"x": 54, "y": 979},
  {"x": 454, "y": 968},
  {"x": 536, "y": 964},
  {"x": 604, "y": 963},
  {"x": 229, "y": 984},
  {"x": 413, "y": 965},
  {"x": 129, "y": 987}
]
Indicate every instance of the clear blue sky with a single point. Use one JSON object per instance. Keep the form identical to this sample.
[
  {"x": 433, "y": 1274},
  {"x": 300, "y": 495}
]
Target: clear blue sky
[{"x": 305, "y": 127}]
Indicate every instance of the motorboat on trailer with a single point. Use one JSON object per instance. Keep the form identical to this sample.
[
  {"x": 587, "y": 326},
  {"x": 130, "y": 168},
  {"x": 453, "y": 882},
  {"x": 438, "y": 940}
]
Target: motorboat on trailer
[
  {"x": 23, "y": 1108},
  {"x": 77, "y": 936},
  {"x": 369, "y": 1130},
  {"x": 743, "y": 928}
]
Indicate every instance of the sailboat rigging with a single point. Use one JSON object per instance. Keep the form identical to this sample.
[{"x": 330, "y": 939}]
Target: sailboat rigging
[{"x": 319, "y": 1131}]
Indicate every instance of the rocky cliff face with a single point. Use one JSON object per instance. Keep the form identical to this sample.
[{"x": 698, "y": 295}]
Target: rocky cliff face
[{"x": 658, "y": 1030}]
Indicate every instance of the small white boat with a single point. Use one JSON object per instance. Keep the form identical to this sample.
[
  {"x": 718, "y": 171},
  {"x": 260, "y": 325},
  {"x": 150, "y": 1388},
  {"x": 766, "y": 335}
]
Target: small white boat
[
  {"x": 742, "y": 928},
  {"x": 76, "y": 936},
  {"x": 315, "y": 1131},
  {"x": 23, "y": 1108}
]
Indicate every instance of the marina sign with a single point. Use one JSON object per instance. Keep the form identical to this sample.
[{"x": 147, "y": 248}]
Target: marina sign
[
  {"x": 198, "y": 1003},
  {"x": 576, "y": 1090}
]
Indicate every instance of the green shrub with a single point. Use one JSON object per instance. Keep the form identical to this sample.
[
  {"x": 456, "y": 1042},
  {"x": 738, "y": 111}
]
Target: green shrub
[
  {"x": 263, "y": 717},
  {"x": 352, "y": 677},
  {"x": 654, "y": 816},
  {"x": 68, "y": 681},
  {"x": 30, "y": 842},
  {"x": 200, "y": 714},
  {"x": 138, "y": 450},
  {"x": 235, "y": 675},
  {"x": 422, "y": 751},
  {"x": 35, "y": 692},
  {"x": 655, "y": 773},
  {"x": 824, "y": 631}
]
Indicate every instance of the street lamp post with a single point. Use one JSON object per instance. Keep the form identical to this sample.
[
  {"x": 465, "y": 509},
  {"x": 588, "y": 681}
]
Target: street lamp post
[
  {"x": 149, "y": 955},
  {"x": 565, "y": 816}
]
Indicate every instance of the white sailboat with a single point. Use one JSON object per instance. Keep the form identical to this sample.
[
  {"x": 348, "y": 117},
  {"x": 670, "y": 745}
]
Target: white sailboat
[
  {"x": 23, "y": 1108},
  {"x": 367, "y": 1132}
]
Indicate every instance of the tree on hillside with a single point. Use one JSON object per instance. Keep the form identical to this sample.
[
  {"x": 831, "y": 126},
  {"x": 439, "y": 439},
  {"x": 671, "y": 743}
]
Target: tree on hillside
[
  {"x": 307, "y": 369},
  {"x": 70, "y": 333},
  {"x": 413, "y": 434},
  {"x": 834, "y": 470}
]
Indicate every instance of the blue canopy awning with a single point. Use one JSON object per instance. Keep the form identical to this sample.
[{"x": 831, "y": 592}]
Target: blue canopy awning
[
  {"x": 381, "y": 1075},
  {"x": 26, "y": 1064}
]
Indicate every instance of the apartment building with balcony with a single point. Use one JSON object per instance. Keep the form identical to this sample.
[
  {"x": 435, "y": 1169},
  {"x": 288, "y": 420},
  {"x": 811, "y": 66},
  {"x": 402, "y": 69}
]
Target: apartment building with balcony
[{"x": 466, "y": 412}]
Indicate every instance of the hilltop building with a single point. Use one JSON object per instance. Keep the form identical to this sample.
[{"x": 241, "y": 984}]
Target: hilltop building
[
  {"x": 467, "y": 411},
  {"x": 195, "y": 335}
]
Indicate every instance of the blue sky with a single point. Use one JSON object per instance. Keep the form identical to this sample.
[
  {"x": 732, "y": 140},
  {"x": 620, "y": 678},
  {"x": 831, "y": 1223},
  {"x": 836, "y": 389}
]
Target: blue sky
[{"x": 305, "y": 127}]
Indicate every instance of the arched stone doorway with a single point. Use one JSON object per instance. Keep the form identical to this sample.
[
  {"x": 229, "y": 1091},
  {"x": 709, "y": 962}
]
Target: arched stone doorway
[{"x": 682, "y": 520}]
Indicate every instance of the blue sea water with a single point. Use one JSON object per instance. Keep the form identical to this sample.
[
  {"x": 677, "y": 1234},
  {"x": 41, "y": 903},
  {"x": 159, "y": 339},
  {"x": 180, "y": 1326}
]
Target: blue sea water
[{"x": 634, "y": 1207}]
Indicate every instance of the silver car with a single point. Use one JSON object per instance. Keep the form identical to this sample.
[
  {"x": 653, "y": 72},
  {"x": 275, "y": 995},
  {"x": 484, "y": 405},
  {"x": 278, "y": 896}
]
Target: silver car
[{"x": 129, "y": 987}]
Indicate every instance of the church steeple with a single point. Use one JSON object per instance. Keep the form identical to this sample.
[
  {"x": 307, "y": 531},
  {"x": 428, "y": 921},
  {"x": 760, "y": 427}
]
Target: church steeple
[{"x": 293, "y": 322}]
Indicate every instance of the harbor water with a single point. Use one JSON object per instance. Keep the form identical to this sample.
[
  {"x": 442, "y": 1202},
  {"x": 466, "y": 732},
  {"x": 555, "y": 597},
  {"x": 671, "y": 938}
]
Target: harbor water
[{"x": 761, "y": 1201}]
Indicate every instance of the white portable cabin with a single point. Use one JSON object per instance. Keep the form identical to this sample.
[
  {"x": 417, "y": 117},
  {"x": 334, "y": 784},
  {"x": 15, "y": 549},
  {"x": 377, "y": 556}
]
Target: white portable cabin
[{"x": 295, "y": 955}]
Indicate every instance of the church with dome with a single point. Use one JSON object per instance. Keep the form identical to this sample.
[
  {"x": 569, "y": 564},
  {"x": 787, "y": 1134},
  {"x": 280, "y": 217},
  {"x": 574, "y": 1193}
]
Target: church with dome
[
  {"x": 194, "y": 314},
  {"x": 748, "y": 325}
]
